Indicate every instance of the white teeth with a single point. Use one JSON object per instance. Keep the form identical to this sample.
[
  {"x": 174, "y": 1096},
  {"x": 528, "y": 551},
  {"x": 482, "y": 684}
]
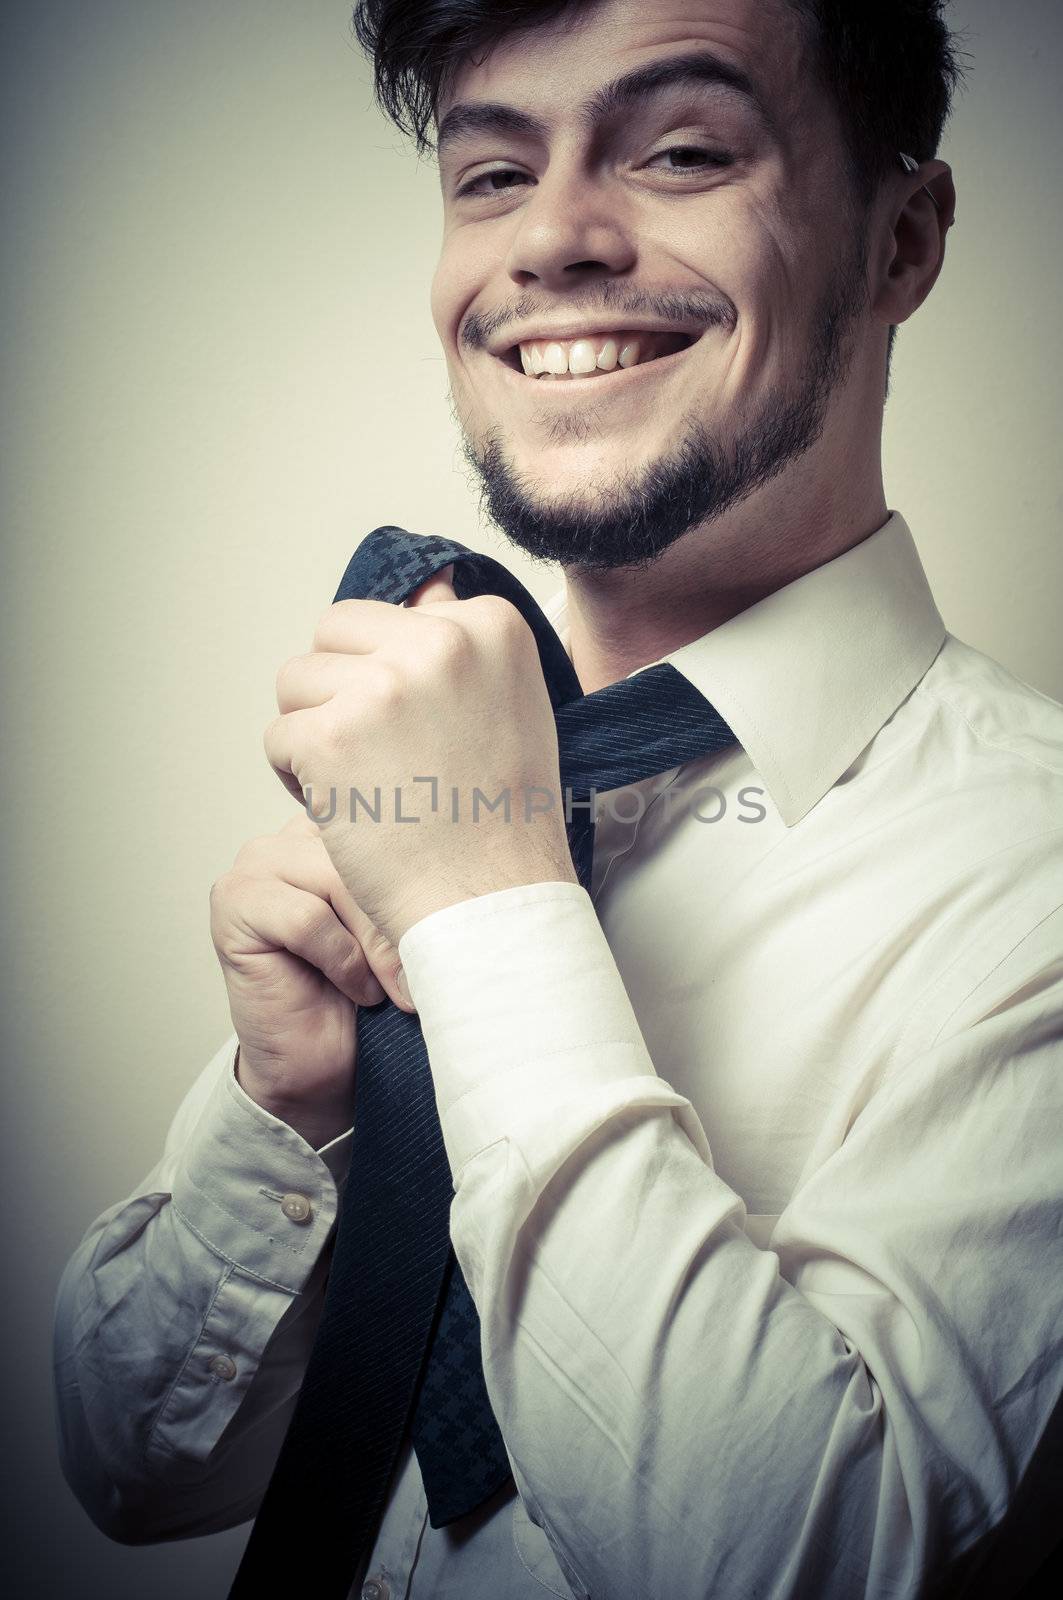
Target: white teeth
[
  {"x": 555, "y": 359},
  {"x": 580, "y": 357}
]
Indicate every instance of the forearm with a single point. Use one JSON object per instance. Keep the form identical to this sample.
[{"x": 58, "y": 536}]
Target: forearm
[
  {"x": 689, "y": 1413},
  {"x": 660, "y": 1387},
  {"x": 685, "y": 1422},
  {"x": 184, "y": 1319},
  {"x": 318, "y": 1125}
]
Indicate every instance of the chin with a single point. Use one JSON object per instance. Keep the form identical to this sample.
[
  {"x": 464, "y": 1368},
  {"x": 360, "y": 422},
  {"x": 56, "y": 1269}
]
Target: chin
[{"x": 574, "y": 470}]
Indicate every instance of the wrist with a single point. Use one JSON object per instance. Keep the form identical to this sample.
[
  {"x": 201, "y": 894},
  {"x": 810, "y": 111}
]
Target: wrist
[
  {"x": 317, "y": 1122},
  {"x": 493, "y": 882}
]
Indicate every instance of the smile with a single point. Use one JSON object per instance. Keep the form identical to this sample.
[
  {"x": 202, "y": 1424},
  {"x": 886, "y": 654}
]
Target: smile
[{"x": 593, "y": 355}]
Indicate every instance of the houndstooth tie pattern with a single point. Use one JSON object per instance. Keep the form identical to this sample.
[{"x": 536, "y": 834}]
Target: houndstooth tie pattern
[{"x": 398, "y": 1345}]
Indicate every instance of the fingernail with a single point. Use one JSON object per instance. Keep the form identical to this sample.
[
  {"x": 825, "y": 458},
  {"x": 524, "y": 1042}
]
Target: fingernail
[
  {"x": 403, "y": 987},
  {"x": 374, "y": 992}
]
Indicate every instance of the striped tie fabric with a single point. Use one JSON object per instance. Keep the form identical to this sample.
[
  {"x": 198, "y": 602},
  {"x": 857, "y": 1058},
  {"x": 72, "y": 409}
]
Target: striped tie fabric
[{"x": 398, "y": 1345}]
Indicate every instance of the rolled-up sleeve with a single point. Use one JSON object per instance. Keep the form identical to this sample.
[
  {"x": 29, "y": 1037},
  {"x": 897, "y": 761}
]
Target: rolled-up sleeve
[
  {"x": 688, "y": 1412},
  {"x": 185, "y": 1316}
]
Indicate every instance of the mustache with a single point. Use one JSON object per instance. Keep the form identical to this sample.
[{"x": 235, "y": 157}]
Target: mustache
[{"x": 709, "y": 310}]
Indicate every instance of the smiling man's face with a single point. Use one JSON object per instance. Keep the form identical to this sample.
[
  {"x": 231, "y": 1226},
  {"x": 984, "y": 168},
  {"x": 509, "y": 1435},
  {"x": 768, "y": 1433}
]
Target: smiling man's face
[{"x": 650, "y": 268}]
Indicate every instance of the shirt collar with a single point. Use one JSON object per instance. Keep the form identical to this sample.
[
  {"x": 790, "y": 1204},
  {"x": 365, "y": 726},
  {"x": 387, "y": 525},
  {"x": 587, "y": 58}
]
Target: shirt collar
[{"x": 807, "y": 676}]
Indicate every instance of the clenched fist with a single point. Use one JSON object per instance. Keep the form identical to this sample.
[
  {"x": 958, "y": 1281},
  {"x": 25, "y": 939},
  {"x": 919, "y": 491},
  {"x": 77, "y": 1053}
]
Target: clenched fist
[
  {"x": 429, "y": 708},
  {"x": 298, "y": 956}
]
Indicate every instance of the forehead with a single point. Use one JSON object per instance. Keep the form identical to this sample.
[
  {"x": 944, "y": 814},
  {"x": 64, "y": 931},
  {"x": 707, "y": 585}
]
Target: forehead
[{"x": 553, "y": 68}]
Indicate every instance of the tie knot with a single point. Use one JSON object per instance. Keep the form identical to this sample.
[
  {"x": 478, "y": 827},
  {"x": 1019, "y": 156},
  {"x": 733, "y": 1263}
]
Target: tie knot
[{"x": 636, "y": 728}]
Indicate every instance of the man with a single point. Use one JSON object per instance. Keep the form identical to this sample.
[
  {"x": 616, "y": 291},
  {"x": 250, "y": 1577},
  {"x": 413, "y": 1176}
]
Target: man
[{"x": 753, "y": 1142}]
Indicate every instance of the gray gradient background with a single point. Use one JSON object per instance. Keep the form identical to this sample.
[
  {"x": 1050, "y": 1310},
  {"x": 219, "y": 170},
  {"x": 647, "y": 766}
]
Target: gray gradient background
[{"x": 219, "y": 372}]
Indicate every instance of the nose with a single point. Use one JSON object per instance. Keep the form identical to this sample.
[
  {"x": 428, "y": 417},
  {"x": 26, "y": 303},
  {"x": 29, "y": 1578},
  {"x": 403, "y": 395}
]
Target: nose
[{"x": 567, "y": 233}]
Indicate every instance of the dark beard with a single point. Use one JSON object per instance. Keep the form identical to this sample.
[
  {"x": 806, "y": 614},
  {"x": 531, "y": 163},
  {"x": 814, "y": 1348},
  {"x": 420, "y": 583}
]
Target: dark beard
[{"x": 635, "y": 522}]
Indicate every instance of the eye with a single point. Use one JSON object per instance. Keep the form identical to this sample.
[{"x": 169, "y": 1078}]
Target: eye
[
  {"x": 689, "y": 158},
  {"x": 498, "y": 180}
]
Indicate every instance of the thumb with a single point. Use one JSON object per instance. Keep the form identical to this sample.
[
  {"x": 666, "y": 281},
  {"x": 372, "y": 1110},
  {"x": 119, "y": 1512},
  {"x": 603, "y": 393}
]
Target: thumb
[{"x": 439, "y": 586}]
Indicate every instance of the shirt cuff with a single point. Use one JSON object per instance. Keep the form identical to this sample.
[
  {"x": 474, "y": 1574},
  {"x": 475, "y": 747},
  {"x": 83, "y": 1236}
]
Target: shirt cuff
[
  {"x": 253, "y": 1190},
  {"x": 530, "y": 1032},
  {"x": 336, "y": 1154}
]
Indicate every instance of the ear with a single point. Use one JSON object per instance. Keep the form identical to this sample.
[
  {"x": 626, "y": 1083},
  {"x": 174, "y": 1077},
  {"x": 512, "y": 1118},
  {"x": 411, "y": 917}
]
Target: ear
[
  {"x": 440, "y": 586},
  {"x": 913, "y": 241}
]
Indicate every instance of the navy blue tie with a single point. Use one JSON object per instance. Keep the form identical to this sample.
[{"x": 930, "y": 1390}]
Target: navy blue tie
[{"x": 398, "y": 1345}]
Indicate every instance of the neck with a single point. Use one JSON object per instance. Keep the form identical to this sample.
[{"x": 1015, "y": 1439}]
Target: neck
[{"x": 623, "y": 619}]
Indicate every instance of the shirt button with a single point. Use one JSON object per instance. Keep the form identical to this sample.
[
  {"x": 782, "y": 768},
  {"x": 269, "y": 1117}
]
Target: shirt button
[
  {"x": 375, "y": 1589},
  {"x": 296, "y": 1207},
  {"x": 222, "y": 1367}
]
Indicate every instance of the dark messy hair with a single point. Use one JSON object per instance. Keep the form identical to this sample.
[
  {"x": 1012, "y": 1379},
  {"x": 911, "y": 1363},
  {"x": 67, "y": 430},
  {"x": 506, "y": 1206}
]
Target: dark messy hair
[{"x": 890, "y": 65}]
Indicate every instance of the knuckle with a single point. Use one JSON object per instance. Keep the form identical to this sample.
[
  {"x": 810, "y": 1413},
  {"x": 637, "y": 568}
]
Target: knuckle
[
  {"x": 284, "y": 675},
  {"x": 250, "y": 852},
  {"x": 305, "y": 921},
  {"x": 378, "y": 947},
  {"x": 221, "y": 888},
  {"x": 332, "y": 734},
  {"x": 301, "y": 825},
  {"x": 498, "y": 611},
  {"x": 223, "y": 900},
  {"x": 445, "y": 639},
  {"x": 385, "y": 685},
  {"x": 327, "y": 622},
  {"x": 498, "y": 619},
  {"x": 354, "y": 965}
]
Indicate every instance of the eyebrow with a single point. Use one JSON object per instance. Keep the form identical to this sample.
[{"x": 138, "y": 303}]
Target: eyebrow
[{"x": 623, "y": 94}]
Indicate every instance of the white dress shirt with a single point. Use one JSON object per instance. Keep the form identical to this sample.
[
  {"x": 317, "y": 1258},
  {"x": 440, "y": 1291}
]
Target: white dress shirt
[{"x": 756, "y": 1154}]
